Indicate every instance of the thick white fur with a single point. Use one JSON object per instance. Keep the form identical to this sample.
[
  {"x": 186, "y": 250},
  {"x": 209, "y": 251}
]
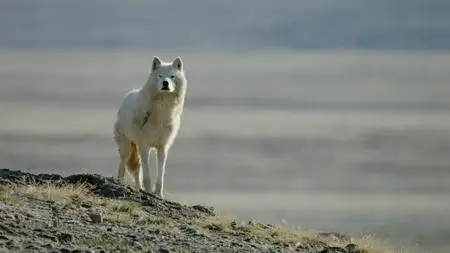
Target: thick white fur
[{"x": 149, "y": 119}]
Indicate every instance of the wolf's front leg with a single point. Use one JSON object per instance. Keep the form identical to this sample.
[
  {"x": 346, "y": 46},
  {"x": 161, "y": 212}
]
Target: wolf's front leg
[
  {"x": 161, "y": 165},
  {"x": 144, "y": 153}
]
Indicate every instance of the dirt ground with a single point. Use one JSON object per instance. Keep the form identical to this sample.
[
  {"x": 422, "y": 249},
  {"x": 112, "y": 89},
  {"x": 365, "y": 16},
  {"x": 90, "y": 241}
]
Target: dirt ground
[{"x": 91, "y": 213}]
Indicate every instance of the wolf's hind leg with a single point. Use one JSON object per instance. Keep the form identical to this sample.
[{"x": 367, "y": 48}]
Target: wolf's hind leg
[
  {"x": 123, "y": 146},
  {"x": 134, "y": 165}
]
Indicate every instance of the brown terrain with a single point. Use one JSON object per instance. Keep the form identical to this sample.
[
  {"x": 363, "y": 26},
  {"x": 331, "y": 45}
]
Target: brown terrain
[{"x": 91, "y": 213}]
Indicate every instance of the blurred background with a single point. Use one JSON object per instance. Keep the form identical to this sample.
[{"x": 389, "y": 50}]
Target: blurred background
[{"x": 328, "y": 115}]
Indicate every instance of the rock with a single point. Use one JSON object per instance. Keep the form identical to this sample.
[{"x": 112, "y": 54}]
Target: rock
[
  {"x": 162, "y": 250},
  {"x": 12, "y": 244},
  {"x": 86, "y": 205},
  {"x": 48, "y": 246},
  {"x": 190, "y": 230},
  {"x": 32, "y": 247},
  {"x": 10, "y": 216},
  {"x": 6, "y": 227},
  {"x": 204, "y": 209},
  {"x": 214, "y": 227},
  {"x": 133, "y": 237},
  {"x": 96, "y": 217},
  {"x": 65, "y": 237},
  {"x": 333, "y": 250},
  {"x": 353, "y": 248},
  {"x": 251, "y": 238},
  {"x": 50, "y": 237},
  {"x": 138, "y": 245},
  {"x": 335, "y": 236}
]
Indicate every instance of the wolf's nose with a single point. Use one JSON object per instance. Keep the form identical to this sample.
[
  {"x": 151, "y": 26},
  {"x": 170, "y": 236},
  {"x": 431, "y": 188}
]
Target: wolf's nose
[{"x": 165, "y": 84}]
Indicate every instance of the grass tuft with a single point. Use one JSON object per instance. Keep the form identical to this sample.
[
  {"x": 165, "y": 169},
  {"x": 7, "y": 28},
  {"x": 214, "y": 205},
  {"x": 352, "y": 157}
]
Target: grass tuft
[
  {"x": 126, "y": 207},
  {"x": 67, "y": 194}
]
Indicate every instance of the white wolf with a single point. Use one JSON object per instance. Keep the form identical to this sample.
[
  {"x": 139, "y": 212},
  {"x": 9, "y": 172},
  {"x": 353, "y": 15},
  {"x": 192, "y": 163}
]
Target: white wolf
[{"x": 149, "y": 118}]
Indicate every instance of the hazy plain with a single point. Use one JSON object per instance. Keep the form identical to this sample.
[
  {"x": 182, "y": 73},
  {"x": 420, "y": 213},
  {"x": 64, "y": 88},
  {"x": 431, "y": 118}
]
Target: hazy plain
[{"x": 349, "y": 141}]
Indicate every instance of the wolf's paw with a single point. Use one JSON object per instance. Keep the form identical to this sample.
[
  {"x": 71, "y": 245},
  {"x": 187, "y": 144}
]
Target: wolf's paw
[{"x": 159, "y": 189}]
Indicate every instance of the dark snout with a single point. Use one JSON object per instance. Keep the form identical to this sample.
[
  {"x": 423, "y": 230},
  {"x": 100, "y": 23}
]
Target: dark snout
[{"x": 165, "y": 85}]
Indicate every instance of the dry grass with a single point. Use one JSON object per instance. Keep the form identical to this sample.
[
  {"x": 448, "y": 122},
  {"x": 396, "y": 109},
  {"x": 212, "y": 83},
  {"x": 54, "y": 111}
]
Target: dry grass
[
  {"x": 232, "y": 225},
  {"x": 75, "y": 195},
  {"x": 289, "y": 236},
  {"x": 80, "y": 195},
  {"x": 67, "y": 194}
]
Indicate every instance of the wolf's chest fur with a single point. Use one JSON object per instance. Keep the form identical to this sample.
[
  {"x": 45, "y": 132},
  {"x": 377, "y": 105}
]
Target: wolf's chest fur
[{"x": 162, "y": 120}]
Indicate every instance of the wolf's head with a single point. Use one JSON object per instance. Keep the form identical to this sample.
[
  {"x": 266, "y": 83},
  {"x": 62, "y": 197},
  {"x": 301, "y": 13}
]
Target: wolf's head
[{"x": 167, "y": 77}]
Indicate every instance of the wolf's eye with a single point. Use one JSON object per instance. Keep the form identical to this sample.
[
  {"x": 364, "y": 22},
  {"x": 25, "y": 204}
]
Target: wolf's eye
[{"x": 172, "y": 77}]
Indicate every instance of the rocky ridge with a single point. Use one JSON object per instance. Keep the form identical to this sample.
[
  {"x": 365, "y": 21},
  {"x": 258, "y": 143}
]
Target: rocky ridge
[{"x": 92, "y": 213}]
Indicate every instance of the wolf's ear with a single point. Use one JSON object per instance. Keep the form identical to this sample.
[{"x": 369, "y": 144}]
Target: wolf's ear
[
  {"x": 156, "y": 63},
  {"x": 178, "y": 63}
]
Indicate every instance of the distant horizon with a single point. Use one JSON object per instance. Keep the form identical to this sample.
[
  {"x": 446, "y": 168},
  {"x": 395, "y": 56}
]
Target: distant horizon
[{"x": 223, "y": 26}]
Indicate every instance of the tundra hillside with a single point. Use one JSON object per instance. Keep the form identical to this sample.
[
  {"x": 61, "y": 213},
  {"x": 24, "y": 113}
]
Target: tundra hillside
[{"x": 91, "y": 213}]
